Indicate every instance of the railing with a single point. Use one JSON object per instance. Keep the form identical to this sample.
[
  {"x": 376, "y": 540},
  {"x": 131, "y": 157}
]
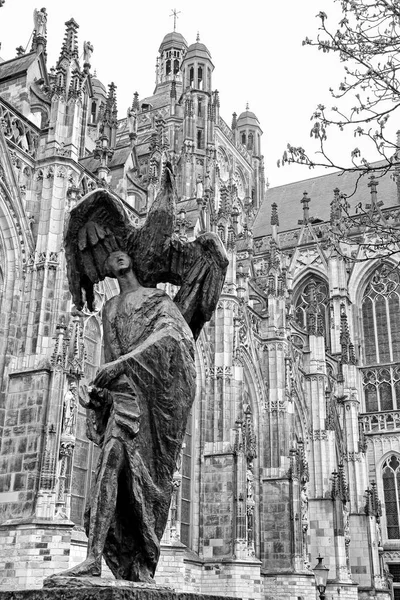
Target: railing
[
  {"x": 383, "y": 421},
  {"x": 226, "y": 130},
  {"x": 18, "y": 130}
]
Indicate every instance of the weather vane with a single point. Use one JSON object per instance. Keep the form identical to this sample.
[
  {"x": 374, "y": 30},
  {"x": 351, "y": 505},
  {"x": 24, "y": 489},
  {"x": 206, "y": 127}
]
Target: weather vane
[{"x": 175, "y": 14}]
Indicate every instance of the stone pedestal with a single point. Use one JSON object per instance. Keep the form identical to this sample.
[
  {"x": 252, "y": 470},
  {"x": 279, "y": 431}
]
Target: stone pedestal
[{"x": 94, "y": 588}]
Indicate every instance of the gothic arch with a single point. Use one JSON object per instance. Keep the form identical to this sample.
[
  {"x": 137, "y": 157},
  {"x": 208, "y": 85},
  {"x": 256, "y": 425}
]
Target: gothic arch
[
  {"x": 15, "y": 249},
  {"x": 311, "y": 305},
  {"x": 388, "y": 490}
]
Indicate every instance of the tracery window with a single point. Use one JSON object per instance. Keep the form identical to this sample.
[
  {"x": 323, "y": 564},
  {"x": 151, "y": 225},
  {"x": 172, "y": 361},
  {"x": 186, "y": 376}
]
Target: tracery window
[
  {"x": 391, "y": 491},
  {"x": 85, "y": 453},
  {"x": 381, "y": 317},
  {"x": 381, "y": 329},
  {"x": 381, "y": 388},
  {"x": 186, "y": 497},
  {"x": 311, "y": 312}
]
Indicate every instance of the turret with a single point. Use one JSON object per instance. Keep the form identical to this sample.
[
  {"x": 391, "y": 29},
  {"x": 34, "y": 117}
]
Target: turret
[
  {"x": 197, "y": 67},
  {"x": 249, "y": 131},
  {"x": 169, "y": 61}
]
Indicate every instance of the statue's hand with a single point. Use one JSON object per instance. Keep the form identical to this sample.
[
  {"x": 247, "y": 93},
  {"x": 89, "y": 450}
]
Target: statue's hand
[
  {"x": 88, "y": 395},
  {"x": 83, "y": 394},
  {"x": 107, "y": 373}
]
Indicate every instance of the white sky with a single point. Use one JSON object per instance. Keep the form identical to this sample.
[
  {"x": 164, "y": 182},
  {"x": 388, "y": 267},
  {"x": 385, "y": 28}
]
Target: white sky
[{"x": 255, "y": 46}]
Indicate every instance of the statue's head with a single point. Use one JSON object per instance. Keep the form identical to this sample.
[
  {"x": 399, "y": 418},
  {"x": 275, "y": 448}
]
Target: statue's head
[{"x": 117, "y": 263}]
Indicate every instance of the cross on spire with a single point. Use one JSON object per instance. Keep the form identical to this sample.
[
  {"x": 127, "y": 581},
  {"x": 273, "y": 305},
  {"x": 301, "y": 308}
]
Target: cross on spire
[{"x": 175, "y": 14}]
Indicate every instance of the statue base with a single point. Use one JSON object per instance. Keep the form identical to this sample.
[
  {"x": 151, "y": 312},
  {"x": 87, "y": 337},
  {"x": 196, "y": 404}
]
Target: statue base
[{"x": 96, "y": 588}]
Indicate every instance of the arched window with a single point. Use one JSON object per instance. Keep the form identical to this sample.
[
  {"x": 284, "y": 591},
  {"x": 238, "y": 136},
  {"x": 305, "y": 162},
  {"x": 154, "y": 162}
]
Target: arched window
[
  {"x": 200, "y": 78},
  {"x": 191, "y": 76},
  {"x": 244, "y": 139},
  {"x": 85, "y": 453},
  {"x": 381, "y": 329},
  {"x": 381, "y": 316},
  {"x": 176, "y": 66},
  {"x": 199, "y": 139},
  {"x": 93, "y": 111},
  {"x": 311, "y": 310},
  {"x": 186, "y": 495},
  {"x": 168, "y": 67},
  {"x": 391, "y": 491}
]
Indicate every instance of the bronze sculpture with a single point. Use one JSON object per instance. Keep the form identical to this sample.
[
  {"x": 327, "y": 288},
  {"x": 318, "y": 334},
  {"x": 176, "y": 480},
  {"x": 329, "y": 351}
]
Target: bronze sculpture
[{"x": 140, "y": 399}]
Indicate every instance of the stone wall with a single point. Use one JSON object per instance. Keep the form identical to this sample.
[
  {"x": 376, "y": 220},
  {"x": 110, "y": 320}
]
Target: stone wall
[
  {"x": 20, "y": 451},
  {"x": 32, "y": 550}
]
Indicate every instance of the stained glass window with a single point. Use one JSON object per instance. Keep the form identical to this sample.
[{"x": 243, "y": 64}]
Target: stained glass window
[
  {"x": 381, "y": 329},
  {"x": 391, "y": 490}
]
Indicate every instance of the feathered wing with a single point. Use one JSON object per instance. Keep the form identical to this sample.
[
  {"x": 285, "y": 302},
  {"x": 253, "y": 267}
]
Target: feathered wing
[
  {"x": 198, "y": 267},
  {"x": 99, "y": 224},
  {"x": 96, "y": 226}
]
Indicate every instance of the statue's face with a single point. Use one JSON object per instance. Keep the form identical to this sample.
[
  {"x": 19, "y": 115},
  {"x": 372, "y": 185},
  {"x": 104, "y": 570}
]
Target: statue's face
[{"x": 118, "y": 262}]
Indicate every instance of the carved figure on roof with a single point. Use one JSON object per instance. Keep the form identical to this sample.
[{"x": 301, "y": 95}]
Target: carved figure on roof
[
  {"x": 132, "y": 120},
  {"x": 199, "y": 186},
  {"x": 139, "y": 402},
  {"x": 87, "y": 52},
  {"x": 40, "y": 22}
]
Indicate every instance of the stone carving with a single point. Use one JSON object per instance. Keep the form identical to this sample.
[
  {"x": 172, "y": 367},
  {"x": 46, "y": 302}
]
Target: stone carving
[
  {"x": 87, "y": 52},
  {"x": 139, "y": 402},
  {"x": 40, "y": 22}
]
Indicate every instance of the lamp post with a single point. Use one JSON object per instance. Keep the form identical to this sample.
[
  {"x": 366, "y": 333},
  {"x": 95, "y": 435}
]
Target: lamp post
[{"x": 321, "y": 577}]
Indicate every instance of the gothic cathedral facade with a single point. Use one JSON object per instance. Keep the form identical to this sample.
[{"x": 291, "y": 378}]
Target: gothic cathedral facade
[{"x": 293, "y": 444}]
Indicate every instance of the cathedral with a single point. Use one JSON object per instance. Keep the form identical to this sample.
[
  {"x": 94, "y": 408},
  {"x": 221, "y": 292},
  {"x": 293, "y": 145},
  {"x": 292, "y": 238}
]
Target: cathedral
[{"x": 292, "y": 450}]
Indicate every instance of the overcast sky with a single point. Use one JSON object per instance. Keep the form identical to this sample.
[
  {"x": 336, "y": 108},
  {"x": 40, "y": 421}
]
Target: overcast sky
[{"x": 255, "y": 47}]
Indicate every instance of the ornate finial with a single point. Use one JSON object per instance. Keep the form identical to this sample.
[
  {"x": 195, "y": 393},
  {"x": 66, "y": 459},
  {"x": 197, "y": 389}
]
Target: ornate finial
[
  {"x": 70, "y": 44},
  {"x": 373, "y": 184},
  {"x": 247, "y": 106},
  {"x": 198, "y": 37},
  {"x": 175, "y": 14},
  {"x": 20, "y": 51},
  {"x": 305, "y": 202},
  {"x": 348, "y": 354},
  {"x": 234, "y": 121},
  {"x": 135, "y": 103},
  {"x": 274, "y": 214}
]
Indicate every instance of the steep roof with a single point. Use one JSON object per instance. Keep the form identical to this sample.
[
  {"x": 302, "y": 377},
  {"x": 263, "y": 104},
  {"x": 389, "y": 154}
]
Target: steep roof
[
  {"x": 10, "y": 68},
  {"x": 320, "y": 191}
]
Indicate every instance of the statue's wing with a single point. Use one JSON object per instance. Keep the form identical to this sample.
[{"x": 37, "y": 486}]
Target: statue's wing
[
  {"x": 199, "y": 267},
  {"x": 96, "y": 226}
]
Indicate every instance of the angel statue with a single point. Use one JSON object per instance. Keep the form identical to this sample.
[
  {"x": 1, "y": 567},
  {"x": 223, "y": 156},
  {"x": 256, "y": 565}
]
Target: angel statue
[
  {"x": 140, "y": 399},
  {"x": 40, "y": 22}
]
